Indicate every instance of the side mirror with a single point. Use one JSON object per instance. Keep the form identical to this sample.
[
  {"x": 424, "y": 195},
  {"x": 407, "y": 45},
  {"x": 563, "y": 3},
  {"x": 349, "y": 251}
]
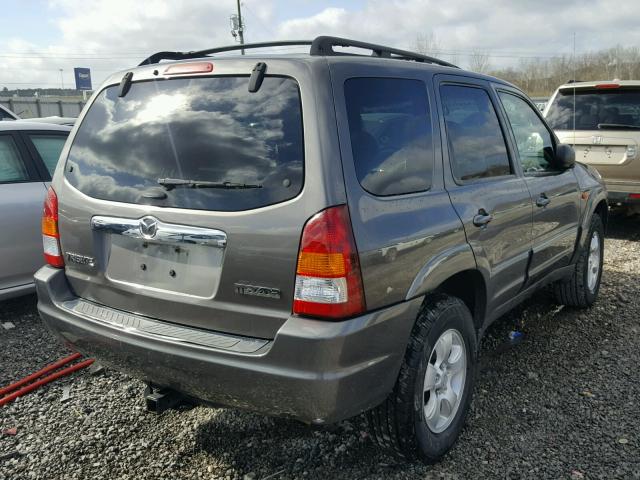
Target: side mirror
[{"x": 565, "y": 156}]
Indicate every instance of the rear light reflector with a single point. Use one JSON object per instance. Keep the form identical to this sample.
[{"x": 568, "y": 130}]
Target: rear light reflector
[
  {"x": 608, "y": 85},
  {"x": 321, "y": 290},
  {"x": 328, "y": 277},
  {"x": 192, "y": 67},
  {"x": 50, "y": 233}
]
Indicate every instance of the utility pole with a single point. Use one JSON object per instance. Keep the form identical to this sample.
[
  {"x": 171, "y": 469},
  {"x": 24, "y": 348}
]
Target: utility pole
[
  {"x": 61, "y": 79},
  {"x": 240, "y": 27}
]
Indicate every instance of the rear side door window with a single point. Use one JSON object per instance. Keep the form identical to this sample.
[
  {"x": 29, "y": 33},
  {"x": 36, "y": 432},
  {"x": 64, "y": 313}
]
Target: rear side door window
[
  {"x": 12, "y": 167},
  {"x": 391, "y": 134},
  {"x": 533, "y": 139},
  {"x": 477, "y": 148}
]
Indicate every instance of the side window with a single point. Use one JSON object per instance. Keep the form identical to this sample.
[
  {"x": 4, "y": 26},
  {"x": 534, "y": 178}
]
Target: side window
[
  {"x": 12, "y": 169},
  {"x": 391, "y": 139},
  {"x": 477, "y": 147},
  {"x": 533, "y": 139},
  {"x": 49, "y": 148}
]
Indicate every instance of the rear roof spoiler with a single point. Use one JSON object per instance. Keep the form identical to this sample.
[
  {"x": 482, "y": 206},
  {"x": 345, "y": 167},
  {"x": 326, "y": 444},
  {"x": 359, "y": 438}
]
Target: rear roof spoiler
[{"x": 320, "y": 46}]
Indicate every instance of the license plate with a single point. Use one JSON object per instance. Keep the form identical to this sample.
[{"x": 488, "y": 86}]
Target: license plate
[{"x": 185, "y": 269}]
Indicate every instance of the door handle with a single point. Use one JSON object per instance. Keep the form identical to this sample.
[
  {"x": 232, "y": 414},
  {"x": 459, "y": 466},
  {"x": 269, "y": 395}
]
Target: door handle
[
  {"x": 542, "y": 201},
  {"x": 482, "y": 219}
]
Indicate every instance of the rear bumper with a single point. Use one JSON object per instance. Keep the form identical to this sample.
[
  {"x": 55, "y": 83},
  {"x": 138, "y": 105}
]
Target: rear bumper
[
  {"x": 20, "y": 290},
  {"x": 618, "y": 192},
  {"x": 622, "y": 197},
  {"x": 314, "y": 371}
]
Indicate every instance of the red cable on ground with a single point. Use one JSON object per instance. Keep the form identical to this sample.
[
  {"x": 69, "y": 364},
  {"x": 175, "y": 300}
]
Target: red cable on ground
[
  {"x": 43, "y": 381},
  {"x": 39, "y": 373}
]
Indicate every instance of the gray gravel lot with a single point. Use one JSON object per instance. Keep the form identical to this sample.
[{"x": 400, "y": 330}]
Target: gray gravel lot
[{"x": 561, "y": 404}]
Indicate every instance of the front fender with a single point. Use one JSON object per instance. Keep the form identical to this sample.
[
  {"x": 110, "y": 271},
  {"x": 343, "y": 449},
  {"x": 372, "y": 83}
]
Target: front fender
[{"x": 596, "y": 196}]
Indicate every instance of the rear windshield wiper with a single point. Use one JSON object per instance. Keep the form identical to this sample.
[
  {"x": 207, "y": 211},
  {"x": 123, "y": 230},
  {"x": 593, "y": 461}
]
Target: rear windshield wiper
[
  {"x": 621, "y": 126},
  {"x": 171, "y": 183}
]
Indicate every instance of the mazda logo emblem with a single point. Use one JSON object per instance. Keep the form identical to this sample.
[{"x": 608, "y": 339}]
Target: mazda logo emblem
[{"x": 148, "y": 227}]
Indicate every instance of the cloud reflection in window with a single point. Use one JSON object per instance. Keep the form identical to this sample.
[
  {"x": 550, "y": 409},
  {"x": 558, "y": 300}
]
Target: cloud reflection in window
[{"x": 209, "y": 129}]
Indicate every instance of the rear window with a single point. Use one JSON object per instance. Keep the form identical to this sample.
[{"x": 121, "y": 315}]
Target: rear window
[
  {"x": 390, "y": 129},
  {"x": 231, "y": 149},
  {"x": 595, "y": 109}
]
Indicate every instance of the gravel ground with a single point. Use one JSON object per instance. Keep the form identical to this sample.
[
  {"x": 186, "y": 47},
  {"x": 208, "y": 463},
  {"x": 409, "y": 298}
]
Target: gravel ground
[{"x": 563, "y": 403}]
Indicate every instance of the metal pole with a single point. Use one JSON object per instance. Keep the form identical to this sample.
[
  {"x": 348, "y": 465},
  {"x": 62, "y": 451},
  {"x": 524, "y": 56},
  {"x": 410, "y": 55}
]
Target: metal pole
[
  {"x": 61, "y": 79},
  {"x": 240, "y": 27}
]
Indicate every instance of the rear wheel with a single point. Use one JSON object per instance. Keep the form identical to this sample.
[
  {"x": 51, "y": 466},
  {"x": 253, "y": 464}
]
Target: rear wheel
[
  {"x": 581, "y": 289},
  {"x": 423, "y": 415}
]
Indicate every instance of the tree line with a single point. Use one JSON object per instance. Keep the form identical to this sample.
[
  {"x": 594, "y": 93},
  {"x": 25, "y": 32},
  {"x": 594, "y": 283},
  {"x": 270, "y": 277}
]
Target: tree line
[{"x": 539, "y": 77}]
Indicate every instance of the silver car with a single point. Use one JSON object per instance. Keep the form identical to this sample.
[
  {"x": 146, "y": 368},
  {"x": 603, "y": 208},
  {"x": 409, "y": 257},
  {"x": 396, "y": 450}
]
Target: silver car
[{"x": 28, "y": 156}]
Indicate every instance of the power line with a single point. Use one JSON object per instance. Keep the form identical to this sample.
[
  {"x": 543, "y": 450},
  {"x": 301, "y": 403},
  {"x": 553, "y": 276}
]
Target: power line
[
  {"x": 255, "y": 16},
  {"x": 127, "y": 55},
  {"x": 30, "y": 83},
  {"x": 44, "y": 70}
]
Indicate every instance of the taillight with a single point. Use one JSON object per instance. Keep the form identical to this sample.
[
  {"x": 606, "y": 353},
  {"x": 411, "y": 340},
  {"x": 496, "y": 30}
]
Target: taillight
[
  {"x": 634, "y": 196},
  {"x": 50, "y": 233},
  {"x": 328, "y": 277}
]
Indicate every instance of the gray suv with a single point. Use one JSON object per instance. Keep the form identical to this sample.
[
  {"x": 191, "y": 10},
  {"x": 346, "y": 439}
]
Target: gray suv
[{"x": 312, "y": 236}]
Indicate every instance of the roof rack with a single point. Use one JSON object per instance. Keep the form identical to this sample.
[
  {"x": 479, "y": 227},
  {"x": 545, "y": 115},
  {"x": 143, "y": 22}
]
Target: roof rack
[
  {"x": 324, "y": 46},
  {"x": 320, "y": 46}
]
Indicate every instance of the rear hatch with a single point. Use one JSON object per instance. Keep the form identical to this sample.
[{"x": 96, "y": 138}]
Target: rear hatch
[
  {"x": 607, "y": 127},
  {"x": 184, "y": 200}
]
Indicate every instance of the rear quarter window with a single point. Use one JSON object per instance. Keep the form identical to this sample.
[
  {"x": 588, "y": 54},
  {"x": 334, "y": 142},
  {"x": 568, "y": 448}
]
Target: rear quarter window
[
  {"x": 49, "y": 148},
  {"x": 206, "y": 130},
  {"x": 391, "y": 134}
]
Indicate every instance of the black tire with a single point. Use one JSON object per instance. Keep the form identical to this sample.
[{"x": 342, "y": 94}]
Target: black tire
[
  {"x": 398, "y": 424},
  {"x": 575, "y": 291}
]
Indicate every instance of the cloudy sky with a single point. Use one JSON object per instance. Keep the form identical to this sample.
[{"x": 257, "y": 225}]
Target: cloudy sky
[{"x": 40, "y": 37}]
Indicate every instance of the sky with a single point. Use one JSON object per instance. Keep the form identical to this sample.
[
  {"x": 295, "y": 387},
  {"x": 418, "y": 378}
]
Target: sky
[{"x": 40, "y": 37}]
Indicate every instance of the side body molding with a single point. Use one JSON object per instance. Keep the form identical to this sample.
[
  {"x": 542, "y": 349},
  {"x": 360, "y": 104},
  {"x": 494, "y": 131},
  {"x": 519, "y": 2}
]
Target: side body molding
[{"x": 441, "y": 267}]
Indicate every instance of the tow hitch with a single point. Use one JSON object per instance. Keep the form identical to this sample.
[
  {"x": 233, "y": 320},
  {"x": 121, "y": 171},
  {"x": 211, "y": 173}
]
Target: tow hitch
[{"x": 160, "y": 399}]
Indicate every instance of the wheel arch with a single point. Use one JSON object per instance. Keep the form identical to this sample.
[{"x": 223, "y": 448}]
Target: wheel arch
[
  {"x": 454, "y": 272},
  {"x": 470, "y": 287},
  {"x": 602, "y": 209},
  {"x": 597, "y": 205}
]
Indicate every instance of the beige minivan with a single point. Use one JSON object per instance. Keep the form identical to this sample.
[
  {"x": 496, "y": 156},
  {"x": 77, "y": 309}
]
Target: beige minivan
[{"x": 605, "y": 134}]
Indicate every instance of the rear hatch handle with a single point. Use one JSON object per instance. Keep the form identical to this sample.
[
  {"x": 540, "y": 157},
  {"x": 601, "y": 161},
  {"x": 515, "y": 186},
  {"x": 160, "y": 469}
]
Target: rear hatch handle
[{"x": 152, "y": 229}]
